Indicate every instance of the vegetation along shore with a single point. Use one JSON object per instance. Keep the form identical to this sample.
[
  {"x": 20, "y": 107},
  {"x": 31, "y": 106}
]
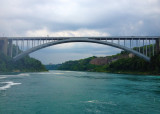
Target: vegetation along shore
[{"x": 119, "y": 63}]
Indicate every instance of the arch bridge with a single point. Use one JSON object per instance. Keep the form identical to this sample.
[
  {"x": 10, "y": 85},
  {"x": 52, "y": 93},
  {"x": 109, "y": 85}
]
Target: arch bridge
[{"x": 141, "y": 46}]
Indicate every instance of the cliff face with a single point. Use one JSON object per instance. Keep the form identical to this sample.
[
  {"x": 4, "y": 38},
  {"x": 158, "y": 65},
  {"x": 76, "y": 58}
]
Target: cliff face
[
  {"x": 99, "y": 61},
  {"x": 107, "y": 60}
]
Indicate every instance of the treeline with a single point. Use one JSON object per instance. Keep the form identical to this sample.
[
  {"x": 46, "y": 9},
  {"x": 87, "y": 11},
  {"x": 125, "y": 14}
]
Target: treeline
[
  {"x": 85, "y": 64},
  {"x": 78, "y": 65},
  {"x": 26, "y": 64},
  {"x": 133, "y": 65},
  {"x": 150, "y": 49},
  {"x": 136, "y": 65}
]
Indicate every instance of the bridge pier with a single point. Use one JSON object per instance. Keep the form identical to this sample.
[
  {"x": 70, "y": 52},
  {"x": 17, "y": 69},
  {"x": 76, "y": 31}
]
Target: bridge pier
[
  {"x": 10, "y": 48},
  {"x": 158, "y": 46},
  {"x": 4, "y": 45}
]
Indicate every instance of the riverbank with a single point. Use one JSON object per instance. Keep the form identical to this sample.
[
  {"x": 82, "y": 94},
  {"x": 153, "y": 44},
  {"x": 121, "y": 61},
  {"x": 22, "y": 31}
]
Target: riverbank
[
  {"x": 133, "y": 73},
  {"x": 118, "y": 72}
]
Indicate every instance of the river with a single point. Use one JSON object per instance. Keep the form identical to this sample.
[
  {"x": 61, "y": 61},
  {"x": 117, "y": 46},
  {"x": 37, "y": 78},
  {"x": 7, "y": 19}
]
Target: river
[{"x": 69, "y": 92}]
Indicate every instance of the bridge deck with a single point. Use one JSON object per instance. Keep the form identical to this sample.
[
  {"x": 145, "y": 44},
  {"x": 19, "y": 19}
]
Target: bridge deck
[{"x": 96, "y": 38}]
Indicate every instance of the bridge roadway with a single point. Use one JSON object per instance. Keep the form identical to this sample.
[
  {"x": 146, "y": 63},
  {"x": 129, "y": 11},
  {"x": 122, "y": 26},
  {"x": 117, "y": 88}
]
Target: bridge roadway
[{"x": 96, "y": 38}]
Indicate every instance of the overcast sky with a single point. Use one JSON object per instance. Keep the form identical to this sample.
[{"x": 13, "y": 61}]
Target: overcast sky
[{"x": 78, "y": 18}]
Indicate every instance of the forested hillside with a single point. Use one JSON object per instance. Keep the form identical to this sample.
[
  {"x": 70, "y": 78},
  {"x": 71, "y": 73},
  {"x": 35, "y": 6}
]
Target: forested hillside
[
  {"x": 26, "y": 64},
  {"x": 136, "y": 65},
  {"x": 120, "y": 63}
]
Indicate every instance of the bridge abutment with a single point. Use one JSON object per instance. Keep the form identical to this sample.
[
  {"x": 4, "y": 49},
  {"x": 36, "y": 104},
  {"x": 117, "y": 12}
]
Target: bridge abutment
[{"x": 4, "y": 45}]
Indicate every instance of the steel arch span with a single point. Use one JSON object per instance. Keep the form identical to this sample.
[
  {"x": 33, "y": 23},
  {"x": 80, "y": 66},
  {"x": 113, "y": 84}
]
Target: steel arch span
[{"x": 89, "y": 40}]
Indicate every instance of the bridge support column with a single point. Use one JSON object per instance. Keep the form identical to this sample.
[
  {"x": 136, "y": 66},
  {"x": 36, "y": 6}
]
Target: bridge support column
[
  {"x": 158, "y": 45},
  {"x": 10, "y": 48},
  {"x": 3, "y": 45}
]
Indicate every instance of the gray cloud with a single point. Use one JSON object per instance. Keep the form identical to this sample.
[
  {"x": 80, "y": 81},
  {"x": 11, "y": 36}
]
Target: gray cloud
[{"x": 113, "y": 17}]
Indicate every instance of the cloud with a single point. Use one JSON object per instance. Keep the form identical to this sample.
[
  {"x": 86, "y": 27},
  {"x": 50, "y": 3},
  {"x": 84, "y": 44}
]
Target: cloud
[
  {"x": 79, "y": 18},
  {"x": 116, "y": 17},
  {"x": 67, "y": 33}
]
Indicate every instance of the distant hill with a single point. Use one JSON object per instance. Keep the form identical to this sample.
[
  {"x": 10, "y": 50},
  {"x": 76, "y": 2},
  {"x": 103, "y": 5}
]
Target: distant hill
[{"x": 119, "y": 63}]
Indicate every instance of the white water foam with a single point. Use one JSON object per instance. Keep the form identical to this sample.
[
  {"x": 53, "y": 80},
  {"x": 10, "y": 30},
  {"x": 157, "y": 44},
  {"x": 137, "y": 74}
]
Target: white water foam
[
  {"x": 93, "y": 101},
  {"x": 67, "y": 71},
  {"x": 58, "y": 73},
  {"x": 22, "y": 74},
  {"x": 81, "y": 72},
  {"x": 99, "y": 102},
  {"x": 8, "y": 85},
  {"x": 2, "y": 77},
  {"x": 48, "y": 73},
  {"x": 76, "y": 72},
  {"x": 41, "y": 73}
]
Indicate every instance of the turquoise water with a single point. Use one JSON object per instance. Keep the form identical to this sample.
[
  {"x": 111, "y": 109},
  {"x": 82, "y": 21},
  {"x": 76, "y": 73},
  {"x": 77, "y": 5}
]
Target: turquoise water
[{"x": 65, "y": 92}]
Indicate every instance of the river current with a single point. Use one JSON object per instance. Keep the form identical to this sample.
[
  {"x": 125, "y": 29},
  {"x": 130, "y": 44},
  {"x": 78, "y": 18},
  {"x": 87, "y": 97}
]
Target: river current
[{"x": 69, "y": 92}]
